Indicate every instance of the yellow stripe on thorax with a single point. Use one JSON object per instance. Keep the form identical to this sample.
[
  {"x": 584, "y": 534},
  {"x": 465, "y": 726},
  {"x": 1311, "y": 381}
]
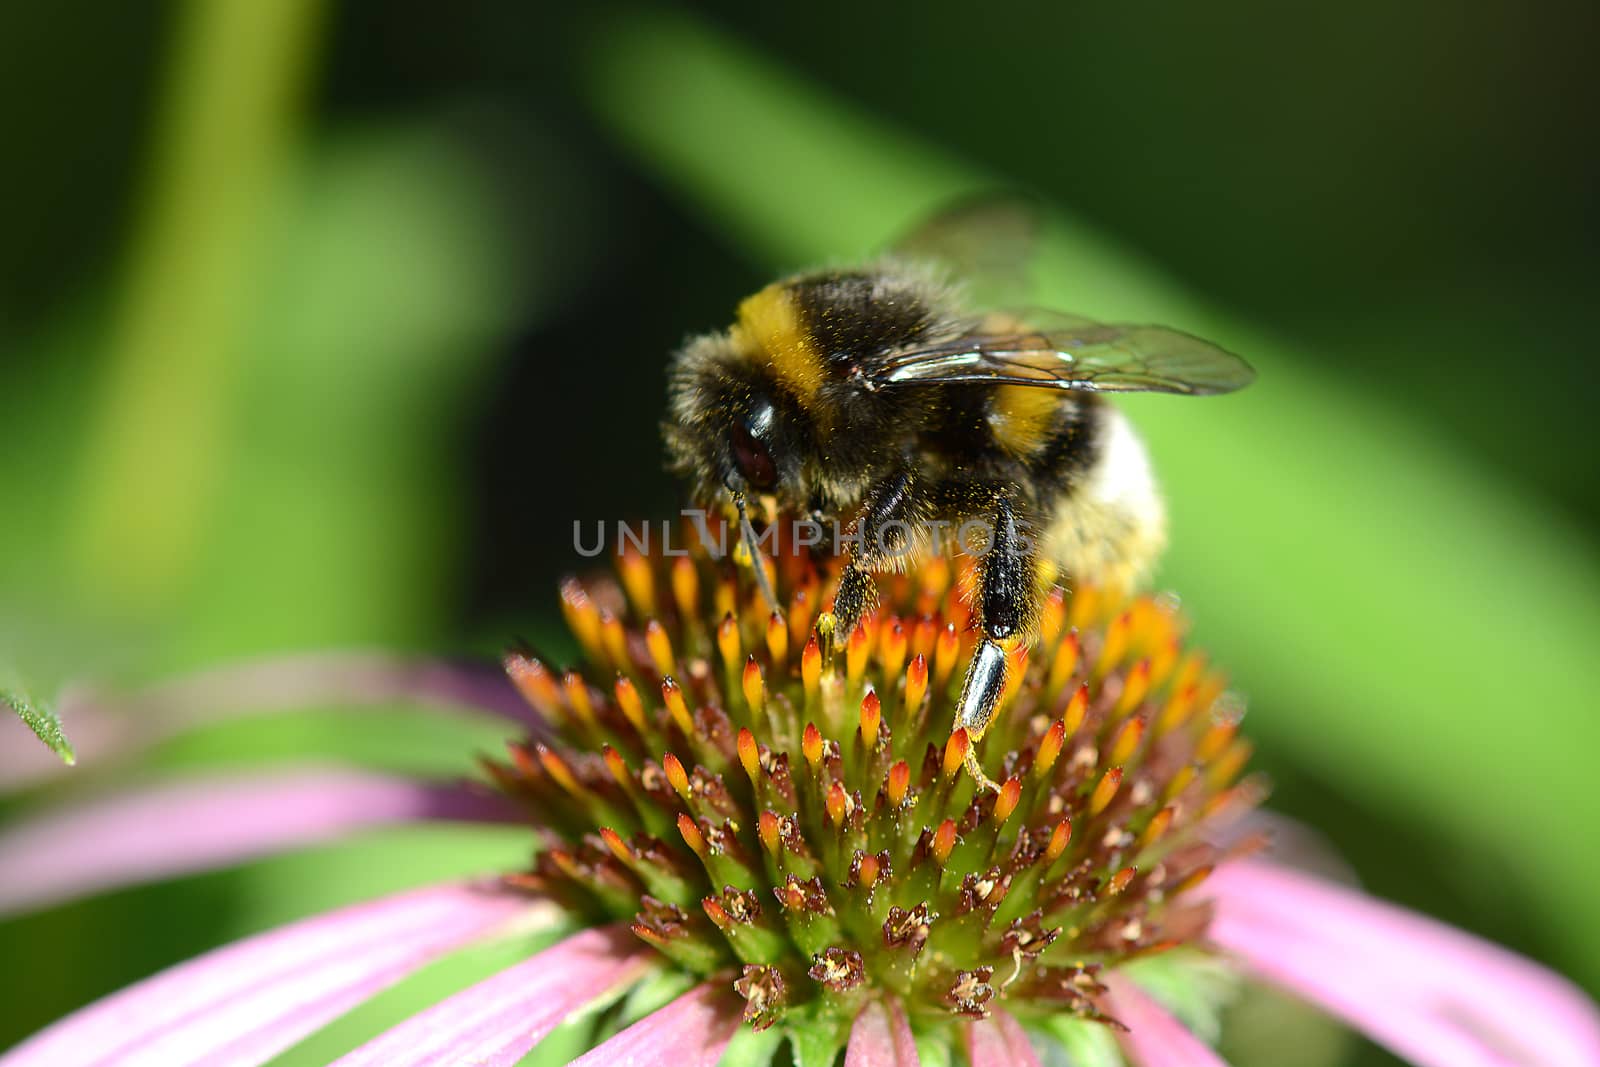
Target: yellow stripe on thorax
[
  {"x": 1021, "y": 417},
  {"x": 770, "y": 326}
]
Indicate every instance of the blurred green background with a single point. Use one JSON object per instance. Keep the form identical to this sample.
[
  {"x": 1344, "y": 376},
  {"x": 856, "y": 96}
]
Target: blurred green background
[{"x": 320, "y": 324}]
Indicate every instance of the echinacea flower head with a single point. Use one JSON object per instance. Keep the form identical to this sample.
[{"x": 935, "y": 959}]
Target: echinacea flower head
[
  {"x": 761, "y": 847},
  {"x": 800, "y": 827}
]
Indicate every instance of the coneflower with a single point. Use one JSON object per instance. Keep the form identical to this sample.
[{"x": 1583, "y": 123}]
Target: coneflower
[{"x": 793, "y": 833}]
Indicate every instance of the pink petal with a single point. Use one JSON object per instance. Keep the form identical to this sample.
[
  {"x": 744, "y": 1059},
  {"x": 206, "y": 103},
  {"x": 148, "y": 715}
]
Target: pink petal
[
  {"x": 1431, "y": 993},
  {"x": 195, "y": 825},
  {"x": 107, "y": 727},
  {"x": 1154, "y": 1038},
  {"x": 242, "y": 1004},
  {"x": 692, "y": 1031},
  {"x": 998, "y": 1041},
  {"x": 497, "y": 1021},
  {"x": 881, "y": 1037}
]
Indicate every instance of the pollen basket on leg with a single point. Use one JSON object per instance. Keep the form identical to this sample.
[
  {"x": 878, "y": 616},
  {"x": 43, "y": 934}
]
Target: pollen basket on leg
[{"x": 802, "y": 830}]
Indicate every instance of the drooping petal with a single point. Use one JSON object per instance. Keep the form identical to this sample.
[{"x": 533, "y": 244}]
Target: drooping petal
[
  {"x": 691, "y": 1031},
  {"x": 242, "y": 1004},
  {"x": 104, "y": 726},
  {"x": 881, "y": 1037},
  {"x": 1430, "y": 993},
  {"x": 1154, "y": 1038},
  {"x": 200, "y": 824},
  {"x": 496, "y": 1022},
  {"x": 999, "y": 1041}
]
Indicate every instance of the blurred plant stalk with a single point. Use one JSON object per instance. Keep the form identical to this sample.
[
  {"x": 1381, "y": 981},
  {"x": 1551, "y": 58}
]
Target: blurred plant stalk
[{"x": 225, "y": 133}]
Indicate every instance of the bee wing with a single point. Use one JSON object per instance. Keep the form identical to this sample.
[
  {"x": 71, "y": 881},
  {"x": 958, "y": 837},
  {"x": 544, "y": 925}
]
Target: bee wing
[
  {"x": 985, "y": 241},
  {"x": 1075, "y": 354}
]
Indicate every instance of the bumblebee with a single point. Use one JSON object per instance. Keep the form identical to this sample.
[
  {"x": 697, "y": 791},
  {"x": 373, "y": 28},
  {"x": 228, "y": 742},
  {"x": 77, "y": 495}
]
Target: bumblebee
[{"x": 889, "y": 399}]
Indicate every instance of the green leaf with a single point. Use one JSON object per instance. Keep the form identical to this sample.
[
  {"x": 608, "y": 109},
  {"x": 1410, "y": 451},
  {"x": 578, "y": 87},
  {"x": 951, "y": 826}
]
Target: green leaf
[
  {"x": 751, "y": 1049},
  {"x": 934, "y": 1050},
  {"x": 1070, "y": 1042},
  {"x": 400, "y": 740},
  {"x": 1381, "y": 596},
  {"x": 1194, "y": 987},
  {"x": 1266, "y": 1027},
  {"x": 43, "y": 721},
  {"x": 571, "y": 1039},
  {"x": 654, "y": 992},
  {"x": 815, "y": 1036}
]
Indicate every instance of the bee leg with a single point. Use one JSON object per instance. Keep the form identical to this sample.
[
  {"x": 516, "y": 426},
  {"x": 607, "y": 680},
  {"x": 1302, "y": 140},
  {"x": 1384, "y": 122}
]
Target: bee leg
[
  {"x": 980, "y": 692},
  {"x": 877, "y": 540},
  {"x": 857, "y": 593},
  {"x": 1007, "y": 603}
]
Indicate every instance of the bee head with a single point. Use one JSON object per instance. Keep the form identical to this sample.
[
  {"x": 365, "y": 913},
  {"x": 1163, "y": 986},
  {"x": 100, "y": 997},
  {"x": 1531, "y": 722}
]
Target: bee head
[{"x": 732, "y": 428}]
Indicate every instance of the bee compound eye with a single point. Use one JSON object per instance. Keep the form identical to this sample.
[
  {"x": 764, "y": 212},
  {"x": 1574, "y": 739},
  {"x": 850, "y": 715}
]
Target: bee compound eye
[{"x": 755, "y": 462}]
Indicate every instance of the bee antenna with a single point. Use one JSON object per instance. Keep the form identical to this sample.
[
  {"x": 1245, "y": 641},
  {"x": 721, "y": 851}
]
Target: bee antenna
[{"x": 747, "y": 536}]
